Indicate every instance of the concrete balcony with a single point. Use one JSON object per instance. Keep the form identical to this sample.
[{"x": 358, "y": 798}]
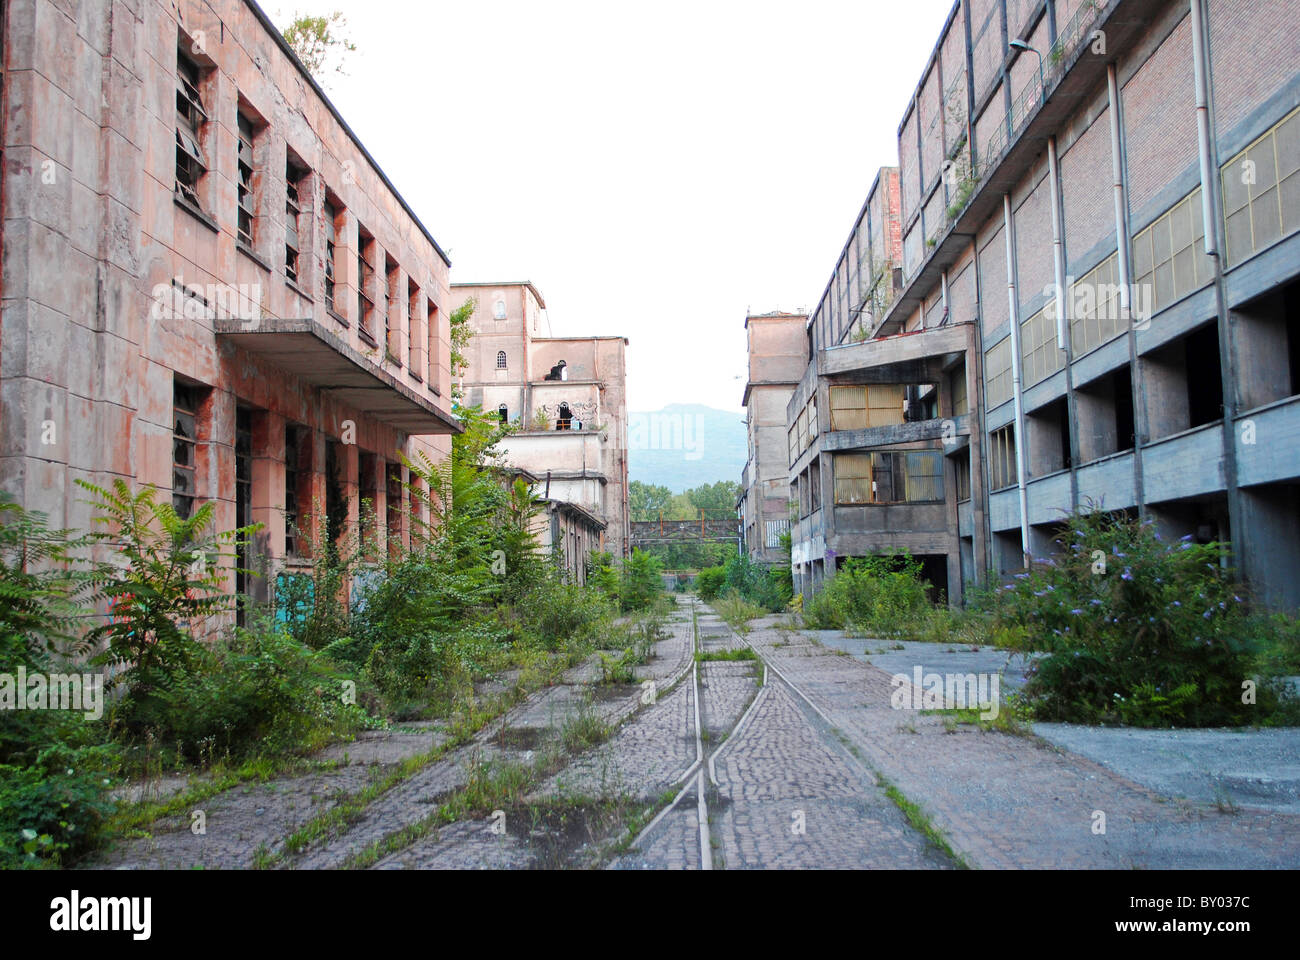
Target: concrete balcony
[
  {"x": 916, "y": 357},
  {"x": 1268, "y": 443},
  {"x": 316, "y": 356},
  {"x": 1188, "y": 464},
  {"x": 895, "y": 434}
]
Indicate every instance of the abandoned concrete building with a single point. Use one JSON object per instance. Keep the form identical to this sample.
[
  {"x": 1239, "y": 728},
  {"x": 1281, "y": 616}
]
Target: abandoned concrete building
[
  {"x": 1096, "y": 302},
  {"x": 777, "y": 346},
  {"x": 209, "y": 286},
  {"x": 568, "y": 398}
]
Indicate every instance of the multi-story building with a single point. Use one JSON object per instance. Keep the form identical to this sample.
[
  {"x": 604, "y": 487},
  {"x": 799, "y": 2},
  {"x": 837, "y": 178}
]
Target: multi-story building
[
  {"x": 778, "y": 356},
  {"x": 1100, "y": 213},
  {"x": 566, "y": 395},
  {"x": 209, "y": 285}
]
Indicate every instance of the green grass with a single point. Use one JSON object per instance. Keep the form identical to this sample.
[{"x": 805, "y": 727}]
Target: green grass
[
  {"x": 920, "y": 822},
  {"x": 736, "y": 654}
]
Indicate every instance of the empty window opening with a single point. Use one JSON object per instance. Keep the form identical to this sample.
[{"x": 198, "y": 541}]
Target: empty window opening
[
  {"x": 503, "y": 413},
  {"x": 368, "y": 491},
  {"x": 558, "y": 372},
  {"x": 1183, "y": 383},
  {"x": 243, "y": 502},
  {"x": 564, "y": 418},
  {"x": 297, "y": 462},
  {"x": 394, "y": 508},
  {"x": 1104, "y": 410},
  {"x": 1267, "y": 333},
  {"x": 1048, "y": 429}
]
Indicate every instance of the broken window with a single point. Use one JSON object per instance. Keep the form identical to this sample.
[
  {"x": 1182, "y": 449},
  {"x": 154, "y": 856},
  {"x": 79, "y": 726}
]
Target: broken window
[
  {"x": 191, "y": 118},
  {"x": 392, "y": 312},
  {"x": 501, "y": 360},
  {"x": 331, "y": 244},
  {"x": 503, "y": 413},
  {"x": 432, "y": 330},
  {"x": 961, "y": 469},
  {"x": 365, "y": 275},
  {"x": 414, "y": 318},
  {"x": 297, "y": 462},
  {"x": 368, "y": 491},
  {"x": 1048, "y": 430},
  {"x": 564, "y": 418},
  {"x": 243, "y": 501},
  {"x": 293, "y": 176},
  {"x": 858, "y": 407},
  {"x": 1002, "y": 458},
  {"x": 394, "y": 509},
  {"x": 244, "y": 187},
  {"x": 893, "y": 476},
  {"x": 957, "y": 389},
  {"x": 186, "y": 404}
]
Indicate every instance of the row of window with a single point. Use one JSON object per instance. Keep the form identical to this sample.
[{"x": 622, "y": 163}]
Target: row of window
[
  {"x": 192, "y": 167},
  {"x": 889, "y": 476},
  {"x": 189, "y": 431},
  {"x": 804, "y": 431}
]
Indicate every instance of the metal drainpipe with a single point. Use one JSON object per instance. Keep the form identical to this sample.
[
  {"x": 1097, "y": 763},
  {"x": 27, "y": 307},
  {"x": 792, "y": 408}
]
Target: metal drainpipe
[
  {"x": 1211, "y": 188},
  {"x": 1058, "y": 242},
  {"x": 1014, "y": 321},
  {"x": 1203, "y": 129},
  {"x": 1117, "y": 171}
]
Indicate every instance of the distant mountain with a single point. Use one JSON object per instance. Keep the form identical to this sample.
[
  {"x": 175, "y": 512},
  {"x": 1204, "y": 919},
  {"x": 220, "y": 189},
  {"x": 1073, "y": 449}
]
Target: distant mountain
[{"x": 685, "y": 445}]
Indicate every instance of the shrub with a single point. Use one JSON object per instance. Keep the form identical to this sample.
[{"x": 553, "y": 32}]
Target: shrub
[
  {"x": 640, "y": 583},
  {"x": 53, "y": 808},
  {"x": 167, "y": 581},
  {"x": 1136, "y": 630},
  {"x": 256, "y": 690},
  {"x": 709, "y": 582},
  {"x": 881, "y": 596},
  {"x": 736, "y": 610}
]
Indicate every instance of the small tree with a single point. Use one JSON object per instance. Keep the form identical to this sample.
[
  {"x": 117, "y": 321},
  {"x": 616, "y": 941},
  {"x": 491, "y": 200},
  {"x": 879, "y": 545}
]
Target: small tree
[{"x": 315, "y": 39}]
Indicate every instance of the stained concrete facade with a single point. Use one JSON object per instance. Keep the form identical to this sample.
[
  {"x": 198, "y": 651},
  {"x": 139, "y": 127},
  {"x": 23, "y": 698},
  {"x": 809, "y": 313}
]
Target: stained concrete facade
[
  {"x": 208, "y": 284},
  {"x": 777, "y": 345},
  {"x": 1166, "y": 239},
  {"x": 567, "y": 397}
]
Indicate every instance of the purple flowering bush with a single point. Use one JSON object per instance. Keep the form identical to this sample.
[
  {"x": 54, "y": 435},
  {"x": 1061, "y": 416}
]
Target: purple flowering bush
[{"x": 1137, "y": 630}]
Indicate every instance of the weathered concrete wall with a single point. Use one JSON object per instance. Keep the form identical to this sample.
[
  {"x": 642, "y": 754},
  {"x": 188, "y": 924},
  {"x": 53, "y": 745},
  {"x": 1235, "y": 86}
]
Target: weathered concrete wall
[{"x": 95, "y": 241}]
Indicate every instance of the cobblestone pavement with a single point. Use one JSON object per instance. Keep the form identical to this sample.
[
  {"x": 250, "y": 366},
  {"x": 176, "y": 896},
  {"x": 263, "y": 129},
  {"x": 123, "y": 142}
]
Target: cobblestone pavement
[
  {"x": 786, "y": 798},
  {"x": 1007, "y": 801}
]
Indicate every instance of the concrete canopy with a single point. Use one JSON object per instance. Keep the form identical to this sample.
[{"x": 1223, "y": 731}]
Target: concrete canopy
[{"x": 303, "y": 349}]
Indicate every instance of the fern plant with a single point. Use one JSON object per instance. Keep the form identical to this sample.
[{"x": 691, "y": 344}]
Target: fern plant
[
  {"x": 165, "y": 579},
  {"x": 42, "y": 588}
]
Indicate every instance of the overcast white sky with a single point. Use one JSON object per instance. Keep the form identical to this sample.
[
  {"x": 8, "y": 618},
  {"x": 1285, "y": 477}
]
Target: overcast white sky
[{"x": 656, "y": 170}]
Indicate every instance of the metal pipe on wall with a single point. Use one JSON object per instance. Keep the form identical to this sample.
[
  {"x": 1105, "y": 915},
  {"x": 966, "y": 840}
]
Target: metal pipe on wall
[
  {"x": 1058, "y": 241},
  {"x": 1121, "y": 204},
  {"x": 1013, "y": 319}
]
